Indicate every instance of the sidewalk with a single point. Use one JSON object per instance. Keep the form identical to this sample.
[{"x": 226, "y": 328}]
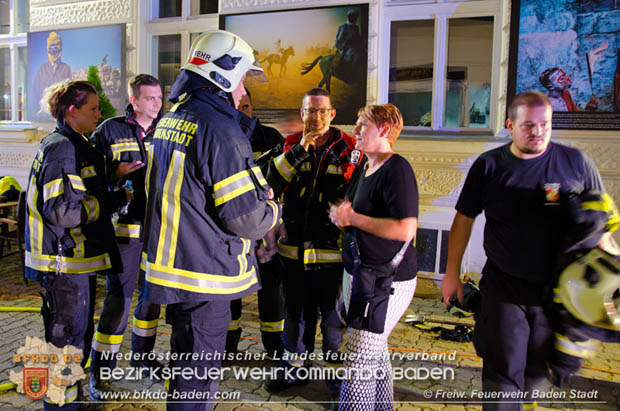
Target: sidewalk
[{"x": 601, "y": 373}]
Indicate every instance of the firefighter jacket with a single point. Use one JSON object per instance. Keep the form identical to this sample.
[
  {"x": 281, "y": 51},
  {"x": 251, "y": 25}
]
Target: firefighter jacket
[
  {"x": 309, "y": 181},
  {"x": 122, "y": 139},
  {"x": 68, "y": 226},
  {"x": 267, "y": 143},
  {"x": 207, "y": 201}
]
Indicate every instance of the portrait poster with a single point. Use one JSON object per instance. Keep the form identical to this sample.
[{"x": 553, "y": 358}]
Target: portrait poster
[
  {"x": 569, "y": 50},
  {"x": 58, "y": 55},
  {"x": 301, "y": 49}
]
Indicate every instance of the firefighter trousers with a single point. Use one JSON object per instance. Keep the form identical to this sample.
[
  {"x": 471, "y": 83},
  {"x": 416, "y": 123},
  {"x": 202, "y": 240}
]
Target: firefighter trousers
[
  {"x": 305, "y": 293},
  {"x": 270, "y": 311},
  {"x": 116, "y": 309},
  {"x": 197, "y": 343},
  {"x": 68, "y": 310}
]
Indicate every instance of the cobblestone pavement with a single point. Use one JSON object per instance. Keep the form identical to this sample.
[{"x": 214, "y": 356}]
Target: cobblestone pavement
[{"x": 461, "y": 371}]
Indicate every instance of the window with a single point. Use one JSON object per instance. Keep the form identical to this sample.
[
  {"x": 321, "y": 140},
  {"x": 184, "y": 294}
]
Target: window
[
  {"x": 167, "y": 51},
  {"x": 441, "y": 65},
  {"x": 175, "y": 8},
  {"x": 13, "y": 27}
]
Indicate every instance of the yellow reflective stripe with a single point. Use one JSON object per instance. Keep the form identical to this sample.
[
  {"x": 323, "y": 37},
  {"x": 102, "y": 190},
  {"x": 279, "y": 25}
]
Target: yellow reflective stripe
[
  {"x": 91, "y": 204},
  {"x": 581, "y": 349},
  {"x": 288, "y": 251},
  {"x": 305, "y": 166},
  {"x": 232, "y": 187},
  {"x": 333, "y": 364},
  {"x": 79, "y": 239},
  {"x": 144, "y": 328},
  {"x": 259, "y": 175},
  {"x": 88, "y": 172},
  {"x": 293, "y": 359},
  {"x": 614, "y": 218},
  {"x": 243, "y": 261},
  {"x": 274, "y": 210},
  {"x": 108, "y": 339},
  {"x": 149, "y": 165},
  {"x": 334, "y": 169},
  {"x": 234, "y": 325},
  {"x": 170, "y": 211},
  {"x": 53, "y": 189},
  {"x": 127, "y": 230},
  {"x": 35, "y": 221},
  {"x": 285, "y": 169},
  {"x": 272, "y": 327},
  {"x": 315, "y": 255},
  {"x": 119, "y": 148},
  {"x": 145, "y": 323},
  {"x": 198, "y": 282},
  {"x": 76, "y": 182},
  {"x": 256, "y": 154},
  {"x": 68, "y": 265}
]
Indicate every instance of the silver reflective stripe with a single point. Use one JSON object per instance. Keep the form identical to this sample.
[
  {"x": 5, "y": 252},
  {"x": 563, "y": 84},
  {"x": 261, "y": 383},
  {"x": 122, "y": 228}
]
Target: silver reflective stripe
[
  {"x": 286, "y": 170},
  {"x": 581, "y": 349},
  {"x": 79, "y": 239},
  {"x": 305, "y": 166},
  {"x": 127, "y": 230},
  {"x": 76, "y": 182},
  {"x": 272, "y": 327},
  {"x": 233, "y": 186},
  {"x": 35, "y": 222},
  {"x": 144, "y": 328},
  {"x": 170, "y": 211},
  {"x": 91, "y": 204},
  {"x": 88, "y": 172},
  {"x": 68, "y": 265},
  {"x": 144, "y": 332},
  {"x": 119, "y": 148},
  {"x": 259, "y": 175},
  {"x": 334, "y": 169},
  {"x": 103, "y": 347},
  {"x": 198, "y": 282},
  {"x": 313, "y": 255},
  {"x": 53, "y": 189},
  {"x": 288, "y": 251}
]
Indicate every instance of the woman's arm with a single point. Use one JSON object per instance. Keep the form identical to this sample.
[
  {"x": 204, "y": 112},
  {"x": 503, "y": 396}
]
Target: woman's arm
[{"x": 343, "y": 215}]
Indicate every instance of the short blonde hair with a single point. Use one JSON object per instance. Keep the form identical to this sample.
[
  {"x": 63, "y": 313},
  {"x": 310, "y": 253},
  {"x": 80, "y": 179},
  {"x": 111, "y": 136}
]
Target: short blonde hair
[{"x": 384, "y": 114}]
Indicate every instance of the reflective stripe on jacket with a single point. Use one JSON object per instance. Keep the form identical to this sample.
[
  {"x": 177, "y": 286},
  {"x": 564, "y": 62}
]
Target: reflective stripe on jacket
[
  {"x": 68, "y": 209},
  {"x": 207, "y": 201}
]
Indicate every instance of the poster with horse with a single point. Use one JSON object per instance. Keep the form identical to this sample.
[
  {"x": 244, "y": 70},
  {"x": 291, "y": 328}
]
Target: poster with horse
[{"x": 301, "y": 49}]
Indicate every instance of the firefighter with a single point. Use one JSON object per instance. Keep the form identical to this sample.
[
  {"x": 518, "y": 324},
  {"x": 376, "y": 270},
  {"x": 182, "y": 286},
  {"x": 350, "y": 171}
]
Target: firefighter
[
  {"x": 312, "y": 172},
  {"x": 266, "y": 144},
  {"x": 207, "y": 204},
  {"x": 69, "y": 235},
  {"x": 124, "y": 141}
]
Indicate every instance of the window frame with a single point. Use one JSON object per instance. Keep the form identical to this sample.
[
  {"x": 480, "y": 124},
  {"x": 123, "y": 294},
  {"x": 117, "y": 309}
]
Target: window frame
[
  {"x": 183, "y": 25},
  {"x": 440, "y": 13},
  {"x": 13, "y": 41}
]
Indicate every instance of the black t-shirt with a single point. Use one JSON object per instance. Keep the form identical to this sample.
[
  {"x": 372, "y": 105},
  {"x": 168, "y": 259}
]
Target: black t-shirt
[
  {"x": 521, "y": 200},
  {"x": 390, "y": 192}
]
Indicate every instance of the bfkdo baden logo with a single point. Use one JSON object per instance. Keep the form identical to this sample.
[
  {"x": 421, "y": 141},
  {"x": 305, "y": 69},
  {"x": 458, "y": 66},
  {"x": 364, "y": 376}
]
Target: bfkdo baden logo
[{"x": 36, "y": 381}]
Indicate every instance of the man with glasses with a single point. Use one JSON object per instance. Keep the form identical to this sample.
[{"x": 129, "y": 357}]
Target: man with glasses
[{"x": 314, "y": 170}]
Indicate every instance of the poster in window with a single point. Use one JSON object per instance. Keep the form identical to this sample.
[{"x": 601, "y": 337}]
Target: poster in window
[
  {"x": 58, "y": 55},
  {"x": 569, "y": 50},
  {"x": 301, "y": 49}
]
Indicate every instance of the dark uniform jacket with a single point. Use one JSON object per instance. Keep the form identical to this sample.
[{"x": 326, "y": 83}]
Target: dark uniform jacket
[
  {"x": 68, "y": 209},
  {"x": 309, "y": 181},
  {"x": 207, "y": 201},
  {"x": 122, "y": 139}
]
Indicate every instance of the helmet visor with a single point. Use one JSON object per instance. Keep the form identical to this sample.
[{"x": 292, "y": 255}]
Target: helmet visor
[{"x": 255, "y": 74}]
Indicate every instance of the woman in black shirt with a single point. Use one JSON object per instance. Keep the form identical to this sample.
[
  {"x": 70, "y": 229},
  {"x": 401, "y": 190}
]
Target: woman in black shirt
[{"x": 379, "y": 216}]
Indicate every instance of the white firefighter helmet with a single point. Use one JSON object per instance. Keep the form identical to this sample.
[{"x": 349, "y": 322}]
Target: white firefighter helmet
[
  {"x": 589, "y": 289},
  {"x": 223, "y": 58}
]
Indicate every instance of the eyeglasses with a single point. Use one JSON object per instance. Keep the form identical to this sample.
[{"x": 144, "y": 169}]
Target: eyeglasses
[{"x": 321, "y": 111}]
